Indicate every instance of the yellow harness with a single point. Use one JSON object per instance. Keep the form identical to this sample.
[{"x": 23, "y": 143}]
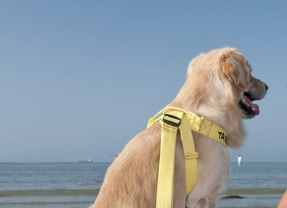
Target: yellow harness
[{"x": 171, "y": 119}]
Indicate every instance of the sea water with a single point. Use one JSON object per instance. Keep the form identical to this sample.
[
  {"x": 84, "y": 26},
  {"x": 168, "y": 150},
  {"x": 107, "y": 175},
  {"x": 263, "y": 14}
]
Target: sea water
[{"x": 75, "y": 185}]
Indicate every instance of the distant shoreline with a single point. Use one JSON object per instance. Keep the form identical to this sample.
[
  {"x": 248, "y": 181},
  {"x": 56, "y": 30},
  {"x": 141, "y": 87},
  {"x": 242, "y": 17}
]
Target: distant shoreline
[
  {"x": 94, "y": 192},
  {"x": 111, "y": 162}
]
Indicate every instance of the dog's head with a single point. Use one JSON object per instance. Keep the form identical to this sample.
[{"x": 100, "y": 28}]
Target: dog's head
[{"x": 233, "y": 75}]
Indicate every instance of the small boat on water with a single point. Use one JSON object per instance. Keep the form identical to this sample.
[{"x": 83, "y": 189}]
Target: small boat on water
[{"x": 85, "y": 161}]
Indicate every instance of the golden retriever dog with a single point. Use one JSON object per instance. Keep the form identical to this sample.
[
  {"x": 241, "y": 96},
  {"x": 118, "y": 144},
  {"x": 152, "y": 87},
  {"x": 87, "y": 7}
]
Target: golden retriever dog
[{"x": 219, "y": 86}]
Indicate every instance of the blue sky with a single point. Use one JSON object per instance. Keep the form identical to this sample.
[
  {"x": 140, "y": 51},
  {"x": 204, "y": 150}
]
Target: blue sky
[{"x": 79, "y": 79}]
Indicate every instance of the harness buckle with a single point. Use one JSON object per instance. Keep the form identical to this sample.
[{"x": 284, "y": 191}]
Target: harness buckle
[{"x": 169, "y": 120}]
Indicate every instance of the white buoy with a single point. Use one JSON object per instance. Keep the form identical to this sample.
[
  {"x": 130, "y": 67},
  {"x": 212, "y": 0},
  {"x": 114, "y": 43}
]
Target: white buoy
[{"x": 239, "y": 160}]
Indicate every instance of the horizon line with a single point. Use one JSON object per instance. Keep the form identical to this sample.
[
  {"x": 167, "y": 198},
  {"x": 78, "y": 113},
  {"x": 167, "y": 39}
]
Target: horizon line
[{"x": 111, "y": 162}]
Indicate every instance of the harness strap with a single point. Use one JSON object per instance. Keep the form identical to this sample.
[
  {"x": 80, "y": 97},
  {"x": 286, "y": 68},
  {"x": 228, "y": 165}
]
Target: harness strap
[
  {"x": 165, "y": 183},
  {"x": 197, "y": 124},
  {"x": 172, "y": 119},
  {"x": 190, "y": 155}
]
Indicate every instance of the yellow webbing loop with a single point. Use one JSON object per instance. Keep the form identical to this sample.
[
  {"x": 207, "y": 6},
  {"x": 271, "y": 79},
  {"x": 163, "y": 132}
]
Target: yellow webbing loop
[
  {"x": 190, "y": 155},
  {"x": 171, "y": 119}
]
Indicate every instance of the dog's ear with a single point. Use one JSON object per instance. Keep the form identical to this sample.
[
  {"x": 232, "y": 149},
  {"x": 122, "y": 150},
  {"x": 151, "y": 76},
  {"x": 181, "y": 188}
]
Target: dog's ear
[{"x": 232, "y": 66}]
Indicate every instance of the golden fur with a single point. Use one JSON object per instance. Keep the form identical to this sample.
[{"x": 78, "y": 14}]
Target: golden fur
[{"x": 214, "y": 85}]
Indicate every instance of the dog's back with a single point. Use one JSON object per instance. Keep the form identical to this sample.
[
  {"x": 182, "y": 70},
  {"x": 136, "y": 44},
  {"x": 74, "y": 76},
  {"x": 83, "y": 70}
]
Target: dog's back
[{"x": 131, "y": 179}]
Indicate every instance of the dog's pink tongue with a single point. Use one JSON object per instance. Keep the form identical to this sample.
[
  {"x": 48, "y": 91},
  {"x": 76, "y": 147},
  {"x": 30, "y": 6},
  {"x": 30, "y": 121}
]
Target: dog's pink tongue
[
  {"x": 256, "y": 111},
  {"x": 248, "y": 102}
]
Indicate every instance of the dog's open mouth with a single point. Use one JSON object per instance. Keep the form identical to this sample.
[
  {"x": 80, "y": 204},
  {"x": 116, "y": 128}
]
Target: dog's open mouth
[{"x": 247, "y": 105}]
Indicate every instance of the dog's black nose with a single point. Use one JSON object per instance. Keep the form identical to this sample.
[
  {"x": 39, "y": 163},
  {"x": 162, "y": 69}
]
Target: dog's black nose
[{"x": 266, "y": 86}]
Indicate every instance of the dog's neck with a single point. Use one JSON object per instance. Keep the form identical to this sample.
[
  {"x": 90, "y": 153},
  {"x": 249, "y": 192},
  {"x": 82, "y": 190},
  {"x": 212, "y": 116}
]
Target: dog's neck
[{"x": 215, "y": 105}]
